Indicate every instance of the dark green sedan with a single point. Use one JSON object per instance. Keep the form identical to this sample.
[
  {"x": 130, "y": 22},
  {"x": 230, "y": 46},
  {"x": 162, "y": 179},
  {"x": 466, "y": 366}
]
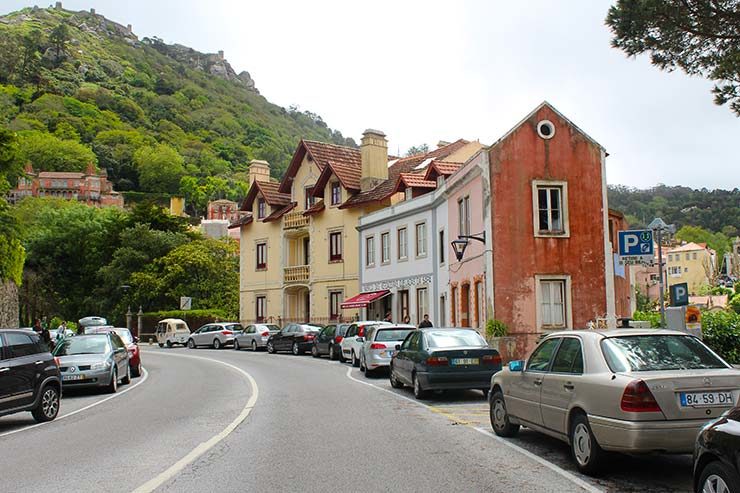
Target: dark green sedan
[{"x": 442, "y": 359}]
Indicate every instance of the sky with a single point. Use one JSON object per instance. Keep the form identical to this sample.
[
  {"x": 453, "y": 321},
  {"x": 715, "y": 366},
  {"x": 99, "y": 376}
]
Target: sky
[{"x": 424, "y": 71}]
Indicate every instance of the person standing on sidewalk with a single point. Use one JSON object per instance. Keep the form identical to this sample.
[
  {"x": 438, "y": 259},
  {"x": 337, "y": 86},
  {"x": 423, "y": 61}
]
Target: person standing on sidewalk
[{"x": 425, "y": 323}]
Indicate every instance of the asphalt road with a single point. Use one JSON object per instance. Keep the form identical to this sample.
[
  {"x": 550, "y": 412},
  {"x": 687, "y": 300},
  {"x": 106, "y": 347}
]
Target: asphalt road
[{"x": 264, "y": 422}]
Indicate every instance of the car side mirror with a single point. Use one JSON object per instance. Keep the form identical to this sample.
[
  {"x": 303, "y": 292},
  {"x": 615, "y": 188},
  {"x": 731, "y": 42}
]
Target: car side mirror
[
  {"x": 398, "y": 347},
  {"x": 516, "y": 365}
]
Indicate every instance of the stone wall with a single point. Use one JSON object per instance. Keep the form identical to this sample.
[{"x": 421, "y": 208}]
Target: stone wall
[{"x": 8, "y": 305}]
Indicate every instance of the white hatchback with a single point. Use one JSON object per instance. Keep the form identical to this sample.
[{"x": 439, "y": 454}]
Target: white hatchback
[
  {"x": 380, "y": 345},
  {"x": 354, "y": 338}
]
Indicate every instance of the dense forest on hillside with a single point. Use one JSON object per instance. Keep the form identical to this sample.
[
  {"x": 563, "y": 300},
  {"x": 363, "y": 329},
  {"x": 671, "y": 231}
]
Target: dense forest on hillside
[
  {"x": 717, "y": 211},
  {"x": 76, "y": 87}
]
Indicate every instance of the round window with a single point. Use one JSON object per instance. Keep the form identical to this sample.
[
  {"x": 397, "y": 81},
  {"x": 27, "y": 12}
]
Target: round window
[{"x": 546, "y": 129}]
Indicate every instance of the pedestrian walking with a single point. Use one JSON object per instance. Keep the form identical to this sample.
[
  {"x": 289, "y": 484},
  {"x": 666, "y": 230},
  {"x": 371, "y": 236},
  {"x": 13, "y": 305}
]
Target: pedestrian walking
[
  {"x": 46, "y": 337},
  {"x": 407, "y": 319},
  {"x": 425, "y": 323}
]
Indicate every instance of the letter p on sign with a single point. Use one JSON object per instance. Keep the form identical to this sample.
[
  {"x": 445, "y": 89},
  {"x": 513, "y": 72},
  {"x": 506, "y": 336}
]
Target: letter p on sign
[{"x": 679, "y": 294}]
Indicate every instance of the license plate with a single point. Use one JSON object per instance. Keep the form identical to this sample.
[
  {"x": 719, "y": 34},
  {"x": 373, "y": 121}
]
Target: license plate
[
  {"x": 73, "y": 377},
  {"x": 464, "y": 361},
  {"x": 706, "y": 399}
]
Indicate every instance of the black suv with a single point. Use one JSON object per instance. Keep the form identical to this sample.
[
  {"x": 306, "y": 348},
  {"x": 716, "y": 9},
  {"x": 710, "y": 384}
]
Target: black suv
[{"x": 29, "y": 376}]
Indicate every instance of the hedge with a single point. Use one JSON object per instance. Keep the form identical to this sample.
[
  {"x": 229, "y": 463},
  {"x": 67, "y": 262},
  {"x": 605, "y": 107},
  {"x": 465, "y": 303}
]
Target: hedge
[{"x": 721, "y": 332}]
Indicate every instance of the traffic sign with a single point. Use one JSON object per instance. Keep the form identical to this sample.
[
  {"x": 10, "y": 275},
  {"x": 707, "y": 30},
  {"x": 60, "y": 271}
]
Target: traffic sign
[
  {"x": 185, "y": 302},
  {"x": 679, "y": 294},
  {"x": 636, "y": 246}
]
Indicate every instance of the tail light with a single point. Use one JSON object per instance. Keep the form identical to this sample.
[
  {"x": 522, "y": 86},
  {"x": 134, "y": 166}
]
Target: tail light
[
  {"x": 637, "y": 398},
  {"x": 377, "y": 345},
  {"x": 265, "y": 333},
  {"x": 492, "y": 359},
  {"x": 338, "y": 339},
  {"x": 226, "y": 332},
  {"x": 437, "y": 361},
  {"x": 361, "y": 332},
  {"x": 310, "y": 337}
]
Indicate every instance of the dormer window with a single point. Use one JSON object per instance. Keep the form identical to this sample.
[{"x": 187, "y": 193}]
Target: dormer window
[
  {"x": 261, "y": 209},
  {"x": 336, "y": 193}
]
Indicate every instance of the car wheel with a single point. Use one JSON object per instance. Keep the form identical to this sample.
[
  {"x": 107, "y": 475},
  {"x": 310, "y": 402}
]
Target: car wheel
[
  {"x": 500, "y": 418},
  {"x": 161, "y": 344},
  {"x": 315, "y": 352},
  {"x": 169, "y": 343},
  {"x": 342, "y": 359},
  {"x": 136, "y": 371},
  {"x": 395, "y": 382},
  {"x": 270, "y": 348},
  {"x": 113, "y": 385},
  {"x": 718, "y": 478},
  {"x": 127, "y": 379},
  {"x": 217, "y": 343},
  {"x": 254, "y": 346},
  {"x": 332, "y": 353},
  {"x": 355, "y": 361},
  {"x": 585, "y": 449},
  {"x": 191, "y": 344},
  {"x": 419, "y": 392},
  {"x": 236, "y": 345},
  {"x": 295, "y": 349},
  {"x": 48, "y": 407}
]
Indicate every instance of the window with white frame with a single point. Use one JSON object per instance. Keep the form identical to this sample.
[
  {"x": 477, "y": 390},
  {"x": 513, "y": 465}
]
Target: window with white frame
[
  {"x": 335, "y": 300},
  {"x": 552, "y": 303},
  {"x": 463, "y": 214},
  {"x": 260, "y": 308},
  {"x": 369, "y": 251},
  {"x": 550, "y": 207},
  {"x": 310, "y": 199},
  {"x": 688, "y": 256},
  {"x": 336, "y": 193},
  {"x": 694, "y": 255},
  {"x": 262, "y": 255},
  {"x": 670, "y": 258},
  {"x": 422, "y": 304},
  {"x": 421, "y": 239},
  {"x": 674, "y": 271},
  {"x": 385, "y": 247},
  {"x": 261, "y": 209},
  {"x": 402, "y": 243},
  {"x": 335, "y": 246}
]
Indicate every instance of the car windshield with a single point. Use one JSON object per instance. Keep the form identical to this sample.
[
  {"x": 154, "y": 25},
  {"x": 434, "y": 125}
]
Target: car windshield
[
  {"x": 181, "y": 327},
  {"x": 125, "y": 335},
  {"x": 83, "y": 345},
  {"x": 658, "y": 352},
  {"x": 383, "y": 335},
  {"x": 454, "y": 338}
]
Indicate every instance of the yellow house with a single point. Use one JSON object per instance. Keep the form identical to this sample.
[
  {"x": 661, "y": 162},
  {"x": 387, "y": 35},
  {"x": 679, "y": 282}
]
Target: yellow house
[
  {"x": 692, "y": 263},
  {"x": 299, "y": 246}
]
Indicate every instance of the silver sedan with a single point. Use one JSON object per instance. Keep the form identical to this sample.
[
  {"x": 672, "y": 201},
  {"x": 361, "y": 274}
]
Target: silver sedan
[
  {"x": 95, "y": 360},
  {"x": 634, "y": 391},
  {"x": 255, "y": 336}
]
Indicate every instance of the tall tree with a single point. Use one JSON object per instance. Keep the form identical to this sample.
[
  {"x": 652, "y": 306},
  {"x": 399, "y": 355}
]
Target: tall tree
[
  {"x": 701, "y": 37},
  {"x": 58, "y": 39}
]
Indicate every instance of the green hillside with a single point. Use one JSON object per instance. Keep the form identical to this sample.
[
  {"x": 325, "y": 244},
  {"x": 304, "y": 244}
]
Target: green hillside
[{"x": 77, "y": 87}]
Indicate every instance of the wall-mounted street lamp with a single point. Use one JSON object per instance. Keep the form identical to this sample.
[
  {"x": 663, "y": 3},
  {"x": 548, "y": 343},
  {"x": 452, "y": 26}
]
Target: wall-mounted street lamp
[{"x": 461, "y": 243}]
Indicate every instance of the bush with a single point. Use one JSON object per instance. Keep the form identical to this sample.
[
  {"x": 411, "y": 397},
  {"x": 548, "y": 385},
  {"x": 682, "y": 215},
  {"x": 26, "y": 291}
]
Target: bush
[
  {"x": 496, "y": 328},
  {"x": 721, "y": 332},
  {"x": 652, "y": 317}
]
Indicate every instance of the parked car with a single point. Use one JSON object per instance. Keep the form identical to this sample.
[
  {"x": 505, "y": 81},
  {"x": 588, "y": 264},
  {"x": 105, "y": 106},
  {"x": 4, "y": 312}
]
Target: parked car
[
  {"x": 443, "y": 359},
  {"x": 131, "y": 342},
  {"x": 255, "y": 336},
  {"x": 380, "y": 345},
  {"x": 29, "y": 377},
  {"x": 215, "y": 335},
  {"x": 172, "y": 331},
  {"x": 296, "y": 338},
  {"x": 352, "y": 341},
  {"x": 329, "y": 341},
  {"x": 93, "y": 360},
  {"x": 626, "y": 390},
  {"x": 717, "y": 454}
]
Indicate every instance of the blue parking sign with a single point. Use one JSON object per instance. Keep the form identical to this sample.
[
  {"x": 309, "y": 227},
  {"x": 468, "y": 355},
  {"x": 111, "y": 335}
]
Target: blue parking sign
[{"x": 636, "y": 243}]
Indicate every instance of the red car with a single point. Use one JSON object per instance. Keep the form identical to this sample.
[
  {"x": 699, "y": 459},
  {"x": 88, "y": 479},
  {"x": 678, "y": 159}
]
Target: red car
[{"x": 132, "y": 345}]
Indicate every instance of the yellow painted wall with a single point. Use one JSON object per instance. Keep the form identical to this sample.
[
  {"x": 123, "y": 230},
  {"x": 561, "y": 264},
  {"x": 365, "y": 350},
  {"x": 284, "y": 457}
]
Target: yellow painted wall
[{"x": 693, "y": 270}]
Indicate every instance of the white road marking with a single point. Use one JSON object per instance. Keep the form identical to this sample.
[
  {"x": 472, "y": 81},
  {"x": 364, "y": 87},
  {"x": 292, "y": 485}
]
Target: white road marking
[
  {"x": 97, "y": 403},
  {"x": 555, "y": 468},
  {"x": 204, "y": 447}
]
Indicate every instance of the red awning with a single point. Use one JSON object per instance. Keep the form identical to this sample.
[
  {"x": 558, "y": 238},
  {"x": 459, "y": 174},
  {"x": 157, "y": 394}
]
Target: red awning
[{"x": 364, "y": 299}]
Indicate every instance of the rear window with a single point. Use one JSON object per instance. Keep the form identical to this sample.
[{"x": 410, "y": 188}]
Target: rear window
[
  {"x": 384, "y": 335},
  {"x": 83, "y": 345},
  {"x": 181, "y": 327},
  {"x": 233, "y": 327},
  {"x": 342, "y": 329},
  {"x": 454, "y": 338},
  {"x": 272, "y": 327},
  {"x": 311, "y": 328},
  {"x": 658, "y": 352}
]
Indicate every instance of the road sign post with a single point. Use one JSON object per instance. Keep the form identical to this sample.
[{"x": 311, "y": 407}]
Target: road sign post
[{"x": 185, "y": 302}]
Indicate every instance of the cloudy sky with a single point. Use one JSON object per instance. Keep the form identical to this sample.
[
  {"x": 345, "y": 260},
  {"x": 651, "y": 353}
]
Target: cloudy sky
[{"x": 428, "y": 71}]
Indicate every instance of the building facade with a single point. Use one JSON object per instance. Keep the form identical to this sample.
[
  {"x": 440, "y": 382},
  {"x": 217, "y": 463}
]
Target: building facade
[
  {"x": 91, "y": 187},
  {"x": 691, "y": 263}
]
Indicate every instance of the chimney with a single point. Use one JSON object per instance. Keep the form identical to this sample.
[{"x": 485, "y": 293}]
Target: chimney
[
  {"x": 259, "y": 171},
  {"x": 221, "y": 54},
  {"x": 374, "y": 155},
  {"x": 58, "y": 6},
  {"x": 442, "y": 143}
]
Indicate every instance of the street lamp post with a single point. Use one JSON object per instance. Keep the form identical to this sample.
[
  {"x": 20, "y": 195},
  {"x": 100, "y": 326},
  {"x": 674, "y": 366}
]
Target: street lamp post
[{"x": 659, "y": 226}]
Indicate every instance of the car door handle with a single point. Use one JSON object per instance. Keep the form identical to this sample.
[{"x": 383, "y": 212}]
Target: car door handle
[
  {"x": 568, "y": 386},
  {"x": 537, "y": 382}
]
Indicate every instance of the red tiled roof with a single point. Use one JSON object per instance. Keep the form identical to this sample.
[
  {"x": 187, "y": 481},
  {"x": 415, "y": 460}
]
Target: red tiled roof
[
  {"x": 278, "y": 213},
  {"x": 315, "y": 209},
  {"x": 348, "y": 176},
  {"x": 322, "y": 154},
  {"x": 416, "y": 180},
  {"x": 269, "y": 191},
  {"x": 60, "y": 174},
  {"x": 441, "y": 168},
  {"x": 245, "y": 219}
]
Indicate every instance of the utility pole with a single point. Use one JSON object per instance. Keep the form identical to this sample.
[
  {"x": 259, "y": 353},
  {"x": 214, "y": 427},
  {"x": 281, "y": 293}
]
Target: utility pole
[{"x": 659, "y": 226}]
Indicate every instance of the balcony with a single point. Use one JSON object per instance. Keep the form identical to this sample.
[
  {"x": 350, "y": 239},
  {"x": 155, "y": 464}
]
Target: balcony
[
  {"x": 296, "y": 274},
  {"x": 294, "y": 220}
]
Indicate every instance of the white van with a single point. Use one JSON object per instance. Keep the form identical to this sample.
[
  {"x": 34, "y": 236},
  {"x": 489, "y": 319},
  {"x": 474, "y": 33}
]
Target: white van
[{"x": 172, "y": 331}]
